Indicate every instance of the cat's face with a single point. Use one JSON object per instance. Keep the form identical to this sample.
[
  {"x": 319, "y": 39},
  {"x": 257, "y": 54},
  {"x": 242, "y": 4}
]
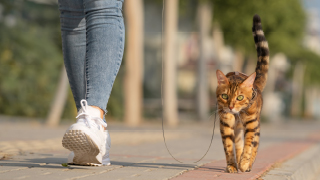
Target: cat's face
[{"x": 234, "y": 96}]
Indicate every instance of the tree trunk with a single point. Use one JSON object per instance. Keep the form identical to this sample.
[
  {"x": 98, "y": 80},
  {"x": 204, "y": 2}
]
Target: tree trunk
[
  {"x": 59, "y": 100},
  {"x": 218, "y": 41},
  {"x": 170, "y": 68},
  {"x": 310, "y": 98},
  {"x": 297, "y": 90},
  {"x": 134, "y": 62},
  {"x": 239, "y": 60},
  {"x": 251, "y": 66},
  {"x": 204, "y": 15}
]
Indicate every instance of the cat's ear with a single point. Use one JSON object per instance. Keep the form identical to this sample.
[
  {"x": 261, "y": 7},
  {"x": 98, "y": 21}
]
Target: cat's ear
[
  {"x": 222, "y": 79},
  {"x": 249, "y": 81}
]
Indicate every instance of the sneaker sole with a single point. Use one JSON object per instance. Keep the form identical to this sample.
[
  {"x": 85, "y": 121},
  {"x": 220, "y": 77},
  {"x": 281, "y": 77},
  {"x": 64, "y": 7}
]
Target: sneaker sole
[
  {"x": 87, "y": 164},
  {"x": 85, "y": 150}
]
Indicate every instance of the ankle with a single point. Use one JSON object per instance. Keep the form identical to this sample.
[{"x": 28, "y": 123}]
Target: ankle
[{"x": 100, "y": 110}]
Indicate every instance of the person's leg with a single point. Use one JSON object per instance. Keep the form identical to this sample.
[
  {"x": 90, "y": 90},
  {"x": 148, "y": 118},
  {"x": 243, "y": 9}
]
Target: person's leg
[
  {"x": 73, "y": 32},
  {"x": 104, "y": 51},
  {"x": 104, "y": 44}
]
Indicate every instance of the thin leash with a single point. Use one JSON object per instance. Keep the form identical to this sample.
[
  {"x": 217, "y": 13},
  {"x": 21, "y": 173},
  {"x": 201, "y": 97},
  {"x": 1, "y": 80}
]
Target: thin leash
[{"x": 215, "y": 114}]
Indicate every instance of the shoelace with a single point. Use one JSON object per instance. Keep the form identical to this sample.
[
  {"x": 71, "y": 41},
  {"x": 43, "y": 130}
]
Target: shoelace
[{"x": 87, "y": 116}]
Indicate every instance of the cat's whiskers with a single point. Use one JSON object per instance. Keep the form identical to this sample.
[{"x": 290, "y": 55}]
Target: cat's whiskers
[
  {"x": 215, "y": 111},
  {"x": 219, "y": 115}
]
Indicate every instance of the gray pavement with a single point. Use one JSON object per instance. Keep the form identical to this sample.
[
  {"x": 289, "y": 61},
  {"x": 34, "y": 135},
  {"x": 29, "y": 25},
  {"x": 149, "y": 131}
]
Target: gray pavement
[
  {"x": 29, "y": 150},
  {"x": 305, "y": 166}
]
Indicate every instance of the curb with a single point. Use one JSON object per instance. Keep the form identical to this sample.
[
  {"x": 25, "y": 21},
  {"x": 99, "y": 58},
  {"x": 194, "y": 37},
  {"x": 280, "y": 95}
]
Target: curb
[
  {"x": 294, "y": 160},
  {"x": 304, "y": 166}
]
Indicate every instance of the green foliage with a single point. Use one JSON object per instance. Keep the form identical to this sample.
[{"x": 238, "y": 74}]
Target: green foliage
[
  {"x": 65, "y": 165},
  {"x": 29, "y": 65},
  {"x": 283, "y": 23},
  {"x": 30, "y": 59},
  {"x": 311, "y": 60},
  {"x": 187, "y": 9},
  {"x": 157, "y": 2}
]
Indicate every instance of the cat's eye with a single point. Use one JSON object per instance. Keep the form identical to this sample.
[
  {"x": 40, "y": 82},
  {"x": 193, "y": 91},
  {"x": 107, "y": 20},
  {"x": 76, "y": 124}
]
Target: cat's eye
[
  {"x": 240, "y": 98},
  {"x": 224, "y": 96}
]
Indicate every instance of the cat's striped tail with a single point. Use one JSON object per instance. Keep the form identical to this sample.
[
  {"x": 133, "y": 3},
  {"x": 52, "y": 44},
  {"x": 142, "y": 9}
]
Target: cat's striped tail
[{"x": 263, "y": 53}]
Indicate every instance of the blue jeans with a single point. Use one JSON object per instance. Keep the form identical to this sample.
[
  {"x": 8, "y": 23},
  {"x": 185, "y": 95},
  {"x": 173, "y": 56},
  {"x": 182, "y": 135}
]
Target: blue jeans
[{"x": 93, "y": 37}]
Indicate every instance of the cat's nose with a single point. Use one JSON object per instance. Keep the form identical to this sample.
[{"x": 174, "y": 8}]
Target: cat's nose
[{"x": 231, "y": 107}]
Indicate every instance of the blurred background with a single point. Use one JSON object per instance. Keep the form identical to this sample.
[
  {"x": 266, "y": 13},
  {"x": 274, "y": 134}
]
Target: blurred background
[{"x": 199, "y": 37}]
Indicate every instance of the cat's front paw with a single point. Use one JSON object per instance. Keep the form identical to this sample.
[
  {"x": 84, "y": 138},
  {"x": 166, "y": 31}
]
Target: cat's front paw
[
  {"x": 231, "y": 169},
  {"x": 244, "y": 166}
]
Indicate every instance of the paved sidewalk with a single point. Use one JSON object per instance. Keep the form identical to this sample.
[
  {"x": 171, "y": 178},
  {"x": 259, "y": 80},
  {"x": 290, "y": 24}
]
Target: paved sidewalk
[{"x": 32, "y": 151}]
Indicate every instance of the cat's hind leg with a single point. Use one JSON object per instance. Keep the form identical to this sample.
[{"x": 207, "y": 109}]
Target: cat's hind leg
[
  {"x": 251, "y": 127},
  {"x": 255, "y": 145}
]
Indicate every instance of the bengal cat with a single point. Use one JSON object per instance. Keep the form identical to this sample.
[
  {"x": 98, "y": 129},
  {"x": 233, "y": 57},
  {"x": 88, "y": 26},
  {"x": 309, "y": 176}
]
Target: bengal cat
[{"x": 239, "y": 105}]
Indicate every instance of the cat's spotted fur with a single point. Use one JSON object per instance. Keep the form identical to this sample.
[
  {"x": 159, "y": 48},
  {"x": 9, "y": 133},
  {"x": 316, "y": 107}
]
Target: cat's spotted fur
[{"x": 239, "y": 106}]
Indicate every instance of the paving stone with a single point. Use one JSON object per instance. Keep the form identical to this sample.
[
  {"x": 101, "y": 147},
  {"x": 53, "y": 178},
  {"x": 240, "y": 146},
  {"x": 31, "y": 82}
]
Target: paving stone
[{"x": 39, "y": 154}]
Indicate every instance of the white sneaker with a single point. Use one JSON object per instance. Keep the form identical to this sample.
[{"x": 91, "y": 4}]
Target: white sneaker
[
  {"x": 105, "y": 158},
  {"x": 87, "y": 138}
]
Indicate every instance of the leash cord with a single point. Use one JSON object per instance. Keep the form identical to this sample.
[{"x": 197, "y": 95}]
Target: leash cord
[{"x": 215, "y": 114}]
